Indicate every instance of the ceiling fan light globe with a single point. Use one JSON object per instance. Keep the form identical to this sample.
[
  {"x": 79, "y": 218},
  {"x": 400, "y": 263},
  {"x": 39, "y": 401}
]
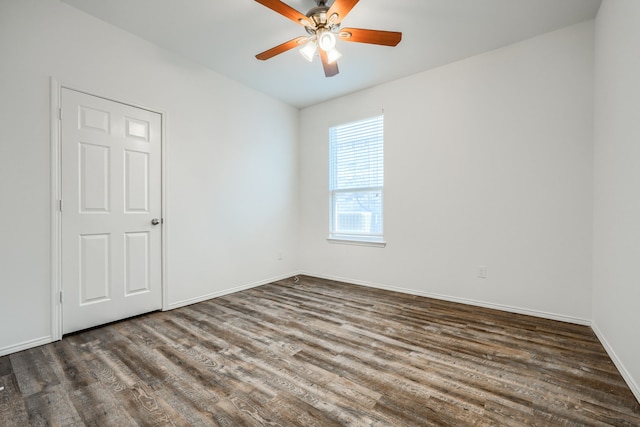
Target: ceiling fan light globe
[
  {"x": 333, "y": 55},
  {"x": 308, "y": 51},
  {"x": 326, "y": 40}
]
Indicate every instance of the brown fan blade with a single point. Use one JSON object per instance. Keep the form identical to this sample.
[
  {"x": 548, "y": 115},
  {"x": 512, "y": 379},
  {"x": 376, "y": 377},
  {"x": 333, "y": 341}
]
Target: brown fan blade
[
  {"x": 286, "y": 11},
  {"x": 267, "y": 54},
  {"x": 330, "y": 70},
  {"x": 340, "y": 8},
  {"x": 359, "y": 35}
]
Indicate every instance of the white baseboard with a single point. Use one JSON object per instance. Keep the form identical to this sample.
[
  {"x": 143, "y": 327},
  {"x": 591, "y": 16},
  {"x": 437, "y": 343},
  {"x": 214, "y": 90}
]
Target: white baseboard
[
  {"x": 201, "y": 298},
  {"x": 507, "y": 308},
  {"x": 635, "y": 388},
  {"x": 25, "y": 345}
]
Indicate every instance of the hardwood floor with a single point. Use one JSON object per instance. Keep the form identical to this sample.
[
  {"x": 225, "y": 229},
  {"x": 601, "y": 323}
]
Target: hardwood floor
[{"x": 319, "y": 353}]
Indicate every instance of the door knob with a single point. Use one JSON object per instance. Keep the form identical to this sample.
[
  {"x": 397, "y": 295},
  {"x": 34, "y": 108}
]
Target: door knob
[{"x": 155, "y": 221}]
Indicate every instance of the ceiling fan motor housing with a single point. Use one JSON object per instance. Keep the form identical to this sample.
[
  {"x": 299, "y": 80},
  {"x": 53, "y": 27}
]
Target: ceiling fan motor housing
[{"x": 319, "y": 19}]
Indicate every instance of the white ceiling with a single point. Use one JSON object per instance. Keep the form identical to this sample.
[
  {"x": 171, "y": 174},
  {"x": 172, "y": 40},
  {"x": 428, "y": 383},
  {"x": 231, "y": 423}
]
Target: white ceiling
[{"x": 225, "y": 35}]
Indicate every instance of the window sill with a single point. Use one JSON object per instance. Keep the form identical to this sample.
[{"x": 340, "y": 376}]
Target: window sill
[{"x": 357, "y": 242}]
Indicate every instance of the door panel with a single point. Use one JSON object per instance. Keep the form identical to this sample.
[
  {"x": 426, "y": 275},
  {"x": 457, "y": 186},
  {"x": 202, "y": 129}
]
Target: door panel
[
  {"x": 136, "y": 181},
  {"x": 95, "y": 268},
  {"x": 95, "y": 176},
  {"x": 111, "y": 190},
  {"x": 136, "y": 262}
]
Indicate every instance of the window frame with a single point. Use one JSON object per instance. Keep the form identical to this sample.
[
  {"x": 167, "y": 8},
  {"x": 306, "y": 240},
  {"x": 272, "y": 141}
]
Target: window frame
[{"x": 354, "y": 238}]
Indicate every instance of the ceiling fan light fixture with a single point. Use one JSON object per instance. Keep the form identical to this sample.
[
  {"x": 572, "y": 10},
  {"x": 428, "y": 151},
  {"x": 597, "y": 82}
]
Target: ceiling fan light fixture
[
  {"x": 326, "y": 40},
  {"x": 333, "y": 55},
  {"x": 308, "y": 51}
]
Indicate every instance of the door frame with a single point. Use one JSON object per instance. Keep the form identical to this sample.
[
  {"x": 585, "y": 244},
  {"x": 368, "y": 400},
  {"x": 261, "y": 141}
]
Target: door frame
[{"x": 56, "y": 190}]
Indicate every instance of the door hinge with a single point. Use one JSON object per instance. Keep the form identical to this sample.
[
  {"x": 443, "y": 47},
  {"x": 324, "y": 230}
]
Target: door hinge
[{"x": 61, "y": 297}]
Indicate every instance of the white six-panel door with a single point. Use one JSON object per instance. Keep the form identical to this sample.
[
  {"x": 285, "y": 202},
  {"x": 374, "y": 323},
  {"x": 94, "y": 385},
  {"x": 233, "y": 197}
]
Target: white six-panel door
[{"x": 111, "y": 199}]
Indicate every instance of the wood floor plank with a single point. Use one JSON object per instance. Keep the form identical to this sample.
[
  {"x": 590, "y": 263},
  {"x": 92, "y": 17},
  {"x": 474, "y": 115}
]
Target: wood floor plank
[
  {"x": 32, "y": 371},
  {"x": 52, "y": 406},
  {"x": 13, "y": 411},
  {"x": 97, "y": 406},
  {"x": 315, "y": 352},
  {"x": 67, "y": 365},
  {"x": 5, "y": 366},
  {"x": 148, "y": 409}
]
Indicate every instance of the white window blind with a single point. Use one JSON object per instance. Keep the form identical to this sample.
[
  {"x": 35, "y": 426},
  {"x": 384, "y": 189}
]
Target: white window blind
[{"x": 356, "y": 179}]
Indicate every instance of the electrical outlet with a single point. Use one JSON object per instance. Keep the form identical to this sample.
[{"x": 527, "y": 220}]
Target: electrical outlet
[{"x": 482, "y": 271}]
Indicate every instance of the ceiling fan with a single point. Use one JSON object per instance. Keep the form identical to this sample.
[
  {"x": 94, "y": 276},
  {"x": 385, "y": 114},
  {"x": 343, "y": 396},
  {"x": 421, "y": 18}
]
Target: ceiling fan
[{"x": 323, "y": 26}]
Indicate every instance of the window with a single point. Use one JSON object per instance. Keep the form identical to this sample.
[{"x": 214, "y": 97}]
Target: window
[{"x": 356, "y": 172}]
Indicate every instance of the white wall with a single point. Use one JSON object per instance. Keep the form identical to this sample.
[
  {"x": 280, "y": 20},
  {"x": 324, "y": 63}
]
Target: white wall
[
  {"x": 616, "y": 293},
  {"x": 232, "y": 161},
  {"x": 488, "y": 161}
]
